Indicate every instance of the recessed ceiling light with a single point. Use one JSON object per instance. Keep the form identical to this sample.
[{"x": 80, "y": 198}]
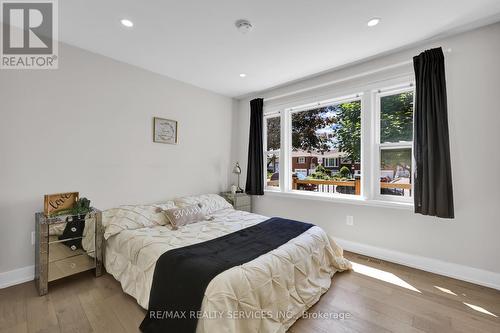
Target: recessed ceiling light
[
  {"x": 374, "y": 21},
  {"x": 243, "y": 75},
  {"x": 127, "y": 23}
]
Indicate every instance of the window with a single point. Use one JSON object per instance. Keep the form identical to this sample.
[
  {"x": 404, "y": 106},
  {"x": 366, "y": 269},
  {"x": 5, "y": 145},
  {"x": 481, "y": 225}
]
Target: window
[
  {"x": 395, "y": 114},
  {"x": 331, "y": 162},
  {"x": 330, "y": 129},
  {"x": 272, "y": 144},
  {"x": 357, "y": 147}
]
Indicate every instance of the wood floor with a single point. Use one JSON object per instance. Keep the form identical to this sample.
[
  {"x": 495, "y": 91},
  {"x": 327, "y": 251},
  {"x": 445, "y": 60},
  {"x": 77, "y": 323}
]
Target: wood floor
[{"x": 412, "y": 301}]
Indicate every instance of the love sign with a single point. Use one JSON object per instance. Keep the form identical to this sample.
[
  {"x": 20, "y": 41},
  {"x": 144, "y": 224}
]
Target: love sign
[{"x": 54, "y": 203}]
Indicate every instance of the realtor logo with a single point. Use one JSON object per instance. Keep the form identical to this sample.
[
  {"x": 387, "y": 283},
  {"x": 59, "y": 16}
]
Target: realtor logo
[{"x": 29, "y": 36}]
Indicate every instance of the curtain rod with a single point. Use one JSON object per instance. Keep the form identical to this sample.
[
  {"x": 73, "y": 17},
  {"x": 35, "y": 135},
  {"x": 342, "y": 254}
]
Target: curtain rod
[{"x": 348, "y": 78}]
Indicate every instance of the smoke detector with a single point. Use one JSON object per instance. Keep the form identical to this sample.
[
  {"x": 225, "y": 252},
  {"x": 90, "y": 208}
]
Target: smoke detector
[{"x": 243, "y": 26}]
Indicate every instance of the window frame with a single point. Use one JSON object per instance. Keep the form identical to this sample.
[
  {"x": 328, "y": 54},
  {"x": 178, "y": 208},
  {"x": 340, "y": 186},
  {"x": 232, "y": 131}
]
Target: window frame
[
  {"x": 369, "y": 169},
  {"x": 267, "y": 152},
  {"x": 336, "y": 162},
  {"x": 379, "y": 146},
  {"x": 288, "y": 114}
]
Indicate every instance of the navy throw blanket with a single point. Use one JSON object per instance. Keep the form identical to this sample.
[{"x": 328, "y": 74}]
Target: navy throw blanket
[{"x": 182, "y": 275}]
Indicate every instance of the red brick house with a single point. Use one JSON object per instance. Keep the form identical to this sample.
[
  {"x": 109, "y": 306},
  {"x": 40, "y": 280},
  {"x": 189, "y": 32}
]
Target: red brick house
[{"x": 305, "y": 163}]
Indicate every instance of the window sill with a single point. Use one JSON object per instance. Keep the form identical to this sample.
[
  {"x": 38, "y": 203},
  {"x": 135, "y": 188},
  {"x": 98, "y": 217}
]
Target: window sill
[{"x": 343, "y": 199}]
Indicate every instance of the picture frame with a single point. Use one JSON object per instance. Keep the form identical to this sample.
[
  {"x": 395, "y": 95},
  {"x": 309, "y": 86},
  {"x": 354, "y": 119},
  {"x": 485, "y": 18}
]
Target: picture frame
[{"x": 165, "y": 131}]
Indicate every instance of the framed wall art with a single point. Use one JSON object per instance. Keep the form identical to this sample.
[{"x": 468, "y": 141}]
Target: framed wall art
[{"x": 165, "y": 130}]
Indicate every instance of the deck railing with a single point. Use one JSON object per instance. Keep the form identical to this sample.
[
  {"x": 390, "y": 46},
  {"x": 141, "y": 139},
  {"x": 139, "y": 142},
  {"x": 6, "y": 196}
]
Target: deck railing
[{"x": 330, "y": 186}]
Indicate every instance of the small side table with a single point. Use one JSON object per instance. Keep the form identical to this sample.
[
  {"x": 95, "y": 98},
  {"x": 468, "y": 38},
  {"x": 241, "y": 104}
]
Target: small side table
[
  {"x": 66, "y": 245},
  {"x": 240, "y": 201}
]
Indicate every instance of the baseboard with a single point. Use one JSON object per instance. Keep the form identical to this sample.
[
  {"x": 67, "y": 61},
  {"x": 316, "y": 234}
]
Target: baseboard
[
  {"x": 456, "y": 271},
  {"x": 460, "y": 272},
  {"x": 17, "y": 276}
]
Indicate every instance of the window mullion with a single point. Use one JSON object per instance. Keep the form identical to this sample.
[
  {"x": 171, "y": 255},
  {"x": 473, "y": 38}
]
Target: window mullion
[
  {"x": 366, "y": 146},
  {"x": 284, "y": 152}
]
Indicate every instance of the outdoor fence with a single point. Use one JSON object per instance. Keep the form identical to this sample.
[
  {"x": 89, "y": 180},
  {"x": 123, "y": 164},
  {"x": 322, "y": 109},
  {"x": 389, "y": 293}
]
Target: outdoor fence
[{"x": 347, "y": 186}]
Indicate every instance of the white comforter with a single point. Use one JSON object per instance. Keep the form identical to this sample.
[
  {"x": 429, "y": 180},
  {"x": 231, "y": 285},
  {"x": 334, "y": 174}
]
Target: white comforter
[{"x": 267, "y": 294}]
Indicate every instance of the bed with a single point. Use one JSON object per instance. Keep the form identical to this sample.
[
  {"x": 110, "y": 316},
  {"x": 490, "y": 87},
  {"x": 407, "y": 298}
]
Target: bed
[{"x": 283, "y": 283}]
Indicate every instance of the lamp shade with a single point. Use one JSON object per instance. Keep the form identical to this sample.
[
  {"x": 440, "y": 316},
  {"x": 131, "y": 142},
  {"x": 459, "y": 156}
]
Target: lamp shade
[{"x": 237, "y": 169}]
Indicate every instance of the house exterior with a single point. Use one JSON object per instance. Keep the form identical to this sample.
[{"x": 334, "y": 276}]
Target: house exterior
[{"x": 306, "y": 162}]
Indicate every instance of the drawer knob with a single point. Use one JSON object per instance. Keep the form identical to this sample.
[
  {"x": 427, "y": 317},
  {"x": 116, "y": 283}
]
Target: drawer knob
[
  {"x": 73, "y": 229},
  {"x": 72, "y": 265}
]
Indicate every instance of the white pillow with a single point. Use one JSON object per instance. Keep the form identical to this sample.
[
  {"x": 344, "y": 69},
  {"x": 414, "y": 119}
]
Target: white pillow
[
  {"x": 209, "y": 203},
  {"x": 130, "y": 217}
]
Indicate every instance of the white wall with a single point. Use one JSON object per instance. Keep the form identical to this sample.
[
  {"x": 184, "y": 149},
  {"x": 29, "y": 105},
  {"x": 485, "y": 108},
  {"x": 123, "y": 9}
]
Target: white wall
[
  {"x": 471, "y": 239},
  {"x": 88, "y": 127}
]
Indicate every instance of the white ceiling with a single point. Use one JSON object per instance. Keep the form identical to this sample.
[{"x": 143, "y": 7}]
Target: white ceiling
[{"x": 195, "y": 41}]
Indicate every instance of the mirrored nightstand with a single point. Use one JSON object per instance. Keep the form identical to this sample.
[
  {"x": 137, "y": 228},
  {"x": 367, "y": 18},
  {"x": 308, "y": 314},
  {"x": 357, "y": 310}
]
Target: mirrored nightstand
[
  {"x": 240, "y": 201},
  {"x": 66, "y": 245}
]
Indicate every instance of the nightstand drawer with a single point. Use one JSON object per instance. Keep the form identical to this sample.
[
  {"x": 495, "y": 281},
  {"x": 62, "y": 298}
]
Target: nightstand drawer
[
  {"x": 239, "y": 201},
  {"x": 69, "y": 266},
  {"x": 242, "y": 201},
  {"x": 59, "y": 251},
  {"x": 244, "y": 208},
  {"x": 69, "y": 230}
]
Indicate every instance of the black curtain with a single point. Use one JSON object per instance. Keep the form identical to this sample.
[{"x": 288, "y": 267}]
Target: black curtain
[
  {"x": 433, "y": 185},
  {"x": 255, "y": 169}
]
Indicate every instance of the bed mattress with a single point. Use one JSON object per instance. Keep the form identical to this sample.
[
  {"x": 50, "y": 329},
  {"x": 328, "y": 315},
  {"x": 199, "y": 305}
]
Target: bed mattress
[{"x": 267, "y": 294}]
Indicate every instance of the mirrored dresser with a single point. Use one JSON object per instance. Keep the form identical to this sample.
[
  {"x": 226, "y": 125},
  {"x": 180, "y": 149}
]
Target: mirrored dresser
[{"x": 66, "y": 245}]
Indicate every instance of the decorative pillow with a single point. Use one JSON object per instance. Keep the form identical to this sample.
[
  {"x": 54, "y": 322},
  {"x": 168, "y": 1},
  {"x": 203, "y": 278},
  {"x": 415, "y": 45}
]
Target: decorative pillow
[
  {"x": 209, "y": 202},
  {"x": 184, "y": 215},
  {"x": 160, "y": 207}
]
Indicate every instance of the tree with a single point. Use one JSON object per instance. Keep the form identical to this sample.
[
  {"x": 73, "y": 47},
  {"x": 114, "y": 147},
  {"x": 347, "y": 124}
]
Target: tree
[
  {"x": 347, "y": 130},
  {"x": 321, "y": 173},
  {"x": 339, "y": 126},
  {"x": 273, "y": 133},
  {"x": 396, "y": 117},
  {"x": 305, "y": 125},
  {"x": 396, "y": 123},
  {"x": 273, "y": 141},
  {"x": 344, "y": 172}
]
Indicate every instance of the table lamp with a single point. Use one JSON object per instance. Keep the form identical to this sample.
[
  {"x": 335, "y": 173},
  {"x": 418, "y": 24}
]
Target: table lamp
[{"x": 237, "y": 170}]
